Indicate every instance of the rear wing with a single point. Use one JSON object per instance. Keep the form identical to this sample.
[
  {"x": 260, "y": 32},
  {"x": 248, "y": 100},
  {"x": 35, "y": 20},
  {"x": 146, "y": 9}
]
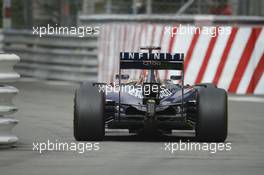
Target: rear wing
[{"x": 152, "y": 61}]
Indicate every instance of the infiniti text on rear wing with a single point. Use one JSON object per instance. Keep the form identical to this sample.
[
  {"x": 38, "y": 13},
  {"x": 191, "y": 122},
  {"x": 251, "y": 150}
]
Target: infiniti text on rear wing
[{"x": 141, "y": 60}]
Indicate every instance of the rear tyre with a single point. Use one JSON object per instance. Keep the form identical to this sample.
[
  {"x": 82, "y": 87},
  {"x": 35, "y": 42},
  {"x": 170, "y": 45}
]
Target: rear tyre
[
  {"x": 208, "y": 85},
  {"x": 211, "y": 125},
  {"x": 88, "y": 113}
]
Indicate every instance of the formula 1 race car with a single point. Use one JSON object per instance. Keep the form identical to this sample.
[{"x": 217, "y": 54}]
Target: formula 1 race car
[{"x": 162, "y": 105}]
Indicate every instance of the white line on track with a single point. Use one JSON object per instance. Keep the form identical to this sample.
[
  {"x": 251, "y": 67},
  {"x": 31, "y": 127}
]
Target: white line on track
[{"x": 246, "y": 99}]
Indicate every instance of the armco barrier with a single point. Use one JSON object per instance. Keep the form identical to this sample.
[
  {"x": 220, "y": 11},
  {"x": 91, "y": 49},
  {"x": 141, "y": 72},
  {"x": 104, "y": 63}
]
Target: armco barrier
[
  {"x": 1, "y": 40},
  {"x": 7, "y": 74},
  {"x": 234, "y": 62},
  {"x": 57, "y": 57}
]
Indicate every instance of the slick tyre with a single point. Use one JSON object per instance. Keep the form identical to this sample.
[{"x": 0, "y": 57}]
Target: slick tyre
[
  {"x": 211, "y": 125},
  {"x": 207, "y": 85},
  {"x": 88, "y": 113}
]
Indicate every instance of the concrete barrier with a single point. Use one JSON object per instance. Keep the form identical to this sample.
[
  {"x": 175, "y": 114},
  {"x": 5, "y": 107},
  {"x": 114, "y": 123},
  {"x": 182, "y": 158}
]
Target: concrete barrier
[
  {"x": 7, "y": 93},
  {"x": 233, "y": 62}
]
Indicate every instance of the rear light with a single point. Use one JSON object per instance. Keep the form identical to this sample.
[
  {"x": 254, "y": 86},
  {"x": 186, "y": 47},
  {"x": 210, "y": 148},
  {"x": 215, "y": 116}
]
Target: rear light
[{"x": 151, "y": 107}]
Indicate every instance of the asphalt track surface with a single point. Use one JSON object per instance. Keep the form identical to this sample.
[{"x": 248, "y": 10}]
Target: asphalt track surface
[{"x": 45, "y": 113}]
